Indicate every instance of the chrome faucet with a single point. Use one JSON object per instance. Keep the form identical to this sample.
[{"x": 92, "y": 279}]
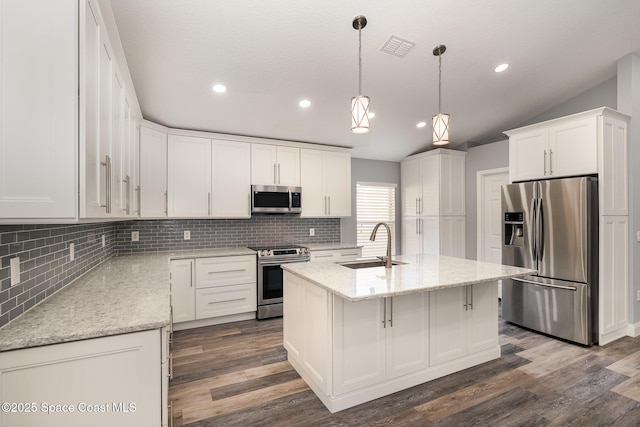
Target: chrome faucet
[{"x": 385, "y": 259}]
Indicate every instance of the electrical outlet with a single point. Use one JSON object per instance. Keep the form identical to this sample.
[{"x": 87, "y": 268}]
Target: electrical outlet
[
  {"x": 15, "y": 270},
  {"x": 637, "y": 236},
  {"x": 187, "y": 235},
  {"x": 312, "y": 232},
  {"x": 72, "y": 251},
  {"x": 638, "y": 296},
  {"x": 104, "y": 241},
  {"x": 135, "y": 236}
]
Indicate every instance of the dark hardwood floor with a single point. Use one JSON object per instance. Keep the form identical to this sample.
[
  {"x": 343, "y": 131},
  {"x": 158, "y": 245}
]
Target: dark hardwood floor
[{"x": 237, "y": 375}]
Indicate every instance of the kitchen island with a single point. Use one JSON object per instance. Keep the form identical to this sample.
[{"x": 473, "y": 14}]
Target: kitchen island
[{"x": 355, "y": 335}]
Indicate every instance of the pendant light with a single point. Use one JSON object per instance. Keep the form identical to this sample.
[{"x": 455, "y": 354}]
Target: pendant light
[
  {"x": 440, "y": 120},
  {"x": 359, "y": 103}
]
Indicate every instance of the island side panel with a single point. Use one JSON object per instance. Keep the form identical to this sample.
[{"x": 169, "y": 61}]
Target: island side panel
[{"x": 307, "y": 312}]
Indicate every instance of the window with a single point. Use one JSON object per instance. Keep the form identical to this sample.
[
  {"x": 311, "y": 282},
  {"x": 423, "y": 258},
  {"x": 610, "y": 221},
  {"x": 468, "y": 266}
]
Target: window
[{"x": 375, "y": 202}]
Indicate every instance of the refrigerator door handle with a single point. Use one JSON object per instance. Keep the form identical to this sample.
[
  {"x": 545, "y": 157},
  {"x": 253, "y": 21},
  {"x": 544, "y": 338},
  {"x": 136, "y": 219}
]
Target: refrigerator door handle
[
  {"x": 546, "y": 285},
  {"x": 540, "y": 227},
  {"x": 533, "y": 236}
]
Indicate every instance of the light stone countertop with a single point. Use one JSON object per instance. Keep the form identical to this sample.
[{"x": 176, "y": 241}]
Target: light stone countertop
[
  {"x": 127, "y": 293},
  {"x": 420, "y": 273}
]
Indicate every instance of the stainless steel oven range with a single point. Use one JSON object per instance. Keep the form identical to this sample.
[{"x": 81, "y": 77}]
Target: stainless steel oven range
[{"x": 270, "y": 281}]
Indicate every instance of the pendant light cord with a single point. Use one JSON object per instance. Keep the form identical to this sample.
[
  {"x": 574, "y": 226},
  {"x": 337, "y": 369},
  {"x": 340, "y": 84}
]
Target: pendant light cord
[
  {"x": 359, "y": 61},
  {"x": 440, "y": 83}
]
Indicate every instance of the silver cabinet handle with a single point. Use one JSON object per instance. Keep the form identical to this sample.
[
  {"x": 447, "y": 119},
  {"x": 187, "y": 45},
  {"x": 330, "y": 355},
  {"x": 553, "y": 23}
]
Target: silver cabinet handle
[
  {"x": 329, "y": 198},
  {"x": 466, "y": 298},
  {"x": 191, "y": 274},
  {"x": 209, "y": 203},
  {"x": 228, "y": 271},
  {"x": 545, "y": 162},
  {"x": 138, "y": 199},
  {"x": 171, "y": 414},
  {"x": 278, "y": 173},
  {"x": 127, "y": 181},
  {"x": 166, "y": 203},
  {"x": 325, "y": 205},
  {"x": 550, "y": 161},
  {"x": 391, "y": 312},
  {"x": 471, "y": 293},
  {"x": 384, "y": 314},
  {"x": 170, "y": 374},
  {"x": 107, "y": 165},
  {"x": 249, "y": 204},
  {"x": 275, "y": 176}
]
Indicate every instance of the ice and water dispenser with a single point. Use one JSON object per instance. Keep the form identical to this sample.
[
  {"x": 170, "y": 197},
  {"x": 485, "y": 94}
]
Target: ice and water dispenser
[{"x": 513, "y": 229}]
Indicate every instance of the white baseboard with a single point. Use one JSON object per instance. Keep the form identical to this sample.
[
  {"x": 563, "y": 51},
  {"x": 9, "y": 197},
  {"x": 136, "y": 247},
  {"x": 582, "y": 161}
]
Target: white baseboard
[
  {"x": 214, "y": 321},
  {"x": 633, "y": 330}
]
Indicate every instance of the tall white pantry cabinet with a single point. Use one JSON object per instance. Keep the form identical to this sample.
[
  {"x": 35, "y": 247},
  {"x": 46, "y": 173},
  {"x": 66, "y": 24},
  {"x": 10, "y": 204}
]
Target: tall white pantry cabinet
[
  {"x": 589, "y": 143},
  {"x": 433, "y": 208},
  {"x": 69, "y": 139}
]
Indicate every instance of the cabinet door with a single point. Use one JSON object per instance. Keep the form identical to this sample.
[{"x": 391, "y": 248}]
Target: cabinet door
[
  {"x": 288, "y": 166},
  {"x": 38, "y": 109},
  {"x": 411, "y": 189},
  {"x": 337, "y": 187},
  {"x": 225, "y": 271},
  {"x": 230, "y": 179},
  {"x": 430, "y": 235},
  {"x": 225, "y": 300},
  {"x": 411, "y": 239},
  {"x": 189, "y": 177},
  {"x": 133, "y": 155},
  {"x": 407, "y": 337},
  {"x": 153, "y": 173},
  {"x": 452, "y": 185},
  {"x": 447, "y": 325},
  {"x": 482, "y": 320},
  {"x": 359, "y": 344},
  {"x": 528, "y": 154},
  {"x": 264, "y": 159},
  {"x": 117, "y": 146},
  {"x": 614, "y": 278},
  {"x": 314, "y": 200},
  {"x": 182, "y": 290},
  {"x": 613, "y": 180},
  {"x": 452, "y": 236},
  {"x": 573, "y": 148},
  {"x": 118, "y": 375},
  {"x": 430, "y": 184}
]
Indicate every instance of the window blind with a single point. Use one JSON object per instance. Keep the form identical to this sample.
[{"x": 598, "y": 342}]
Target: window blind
[{"x": 375, "y": 202}]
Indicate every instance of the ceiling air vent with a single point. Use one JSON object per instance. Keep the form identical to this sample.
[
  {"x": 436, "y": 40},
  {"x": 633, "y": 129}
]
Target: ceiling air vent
[{"x": 397, "y": 46}]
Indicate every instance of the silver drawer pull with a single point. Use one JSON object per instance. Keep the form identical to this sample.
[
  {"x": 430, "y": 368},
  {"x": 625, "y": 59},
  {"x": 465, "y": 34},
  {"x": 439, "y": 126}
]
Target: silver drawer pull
[
  {"x": 227, "y": 300},
  {"x": 353, "y": 254},
  {"x": 228, "y": 271},
  {"x": 324, "y": 256}
]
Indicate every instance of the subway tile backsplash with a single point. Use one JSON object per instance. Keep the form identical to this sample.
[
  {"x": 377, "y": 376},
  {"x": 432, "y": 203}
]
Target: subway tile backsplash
[
  {"x": 164, "y": 235},
  {"x": 46, "y": 267}
]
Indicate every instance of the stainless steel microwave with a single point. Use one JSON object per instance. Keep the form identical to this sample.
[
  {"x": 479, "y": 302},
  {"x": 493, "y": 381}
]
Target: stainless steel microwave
[{"x": 276, "y": 199}]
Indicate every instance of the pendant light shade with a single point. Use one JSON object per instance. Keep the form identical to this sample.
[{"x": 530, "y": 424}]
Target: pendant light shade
[
  {"x": 440, "y": 120},
  {"x": 359, "y": 103}
]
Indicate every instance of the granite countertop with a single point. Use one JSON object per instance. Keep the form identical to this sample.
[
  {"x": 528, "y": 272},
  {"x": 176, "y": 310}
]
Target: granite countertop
[
  {"x": 330, "y": 246},
  {"x": 420, "y": 273},
  {"x": 128, "y": 293}
]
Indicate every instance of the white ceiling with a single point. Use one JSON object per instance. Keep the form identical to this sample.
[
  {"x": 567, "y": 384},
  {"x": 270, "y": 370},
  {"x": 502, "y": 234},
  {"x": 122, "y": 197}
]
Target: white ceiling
[{"x": 270, "y": 54}]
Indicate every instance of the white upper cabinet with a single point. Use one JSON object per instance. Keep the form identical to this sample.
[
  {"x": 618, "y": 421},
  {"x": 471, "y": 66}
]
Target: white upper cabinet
[
  {"x": 230, "y": 179},
  {"x": 38, "y": 109},
  {"x": 325, "y": 179},
  {"x": 189, "y": 177},
  {"x": 564, "y": 147},
  {"x": 275, "y": 165},
  {"x": 153, "y": 173}
]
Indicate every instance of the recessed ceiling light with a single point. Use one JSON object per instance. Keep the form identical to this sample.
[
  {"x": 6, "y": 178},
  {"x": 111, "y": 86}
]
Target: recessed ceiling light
[
  {"x": 305, "y": 103},
  {"x": 421, "y": 124},
  {"x": 219, "y": 88},
  {"x": 500, "y": 68},
  {"x": 371, "y": 114}
]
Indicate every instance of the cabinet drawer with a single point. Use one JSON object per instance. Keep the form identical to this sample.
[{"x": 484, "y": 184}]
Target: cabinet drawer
[
  {"x": 322, "y": 256},
  {"x": 225, "y": 300},
  {"x": 224, "y": 271},
  {"x": 348, "y": 254}
]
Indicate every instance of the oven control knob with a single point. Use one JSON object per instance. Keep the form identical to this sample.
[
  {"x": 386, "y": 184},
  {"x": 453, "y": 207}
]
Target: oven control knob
[
  {"x": 269, "y": 252},
  {"x": 263, "y": 253},
  {"x": 304, "y": 251}
]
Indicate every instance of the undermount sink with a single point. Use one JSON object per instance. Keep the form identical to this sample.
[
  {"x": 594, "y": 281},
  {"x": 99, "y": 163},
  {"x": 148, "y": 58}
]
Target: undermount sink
[{"x": 368, "y": 263}]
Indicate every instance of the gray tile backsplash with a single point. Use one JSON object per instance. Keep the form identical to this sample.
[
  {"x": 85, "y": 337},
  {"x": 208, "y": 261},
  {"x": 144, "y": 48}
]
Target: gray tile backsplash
[
  {"x": 46, "y": 267},
  {"x": 163, "y": 235}
]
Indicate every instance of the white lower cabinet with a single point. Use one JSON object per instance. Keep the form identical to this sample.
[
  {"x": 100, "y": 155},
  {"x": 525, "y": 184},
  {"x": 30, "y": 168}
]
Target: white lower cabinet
[
  {"x": 205, "y": 288},
  {"x": 462, "y": 321},
  {"x": 110, "y": 381},
  {"x": 379, "y": 339}
]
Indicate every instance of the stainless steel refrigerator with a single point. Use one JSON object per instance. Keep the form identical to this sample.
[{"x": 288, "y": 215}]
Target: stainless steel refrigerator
[{"x": 552, "y": 226}]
